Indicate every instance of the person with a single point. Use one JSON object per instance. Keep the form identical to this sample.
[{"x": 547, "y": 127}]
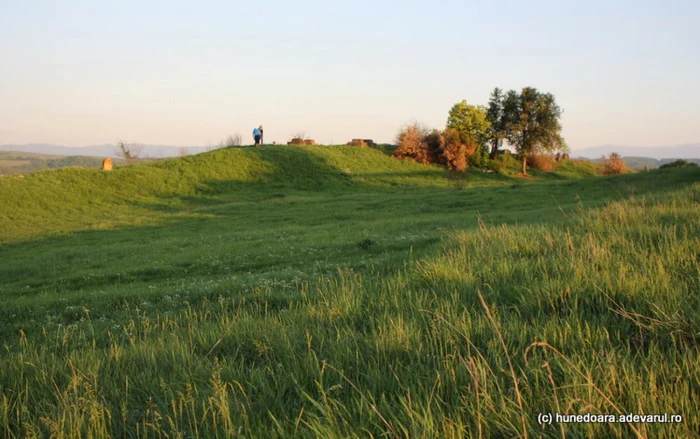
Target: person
[
  {"x": 257, "y": 135},
  {"x": 261, "y": 134}
]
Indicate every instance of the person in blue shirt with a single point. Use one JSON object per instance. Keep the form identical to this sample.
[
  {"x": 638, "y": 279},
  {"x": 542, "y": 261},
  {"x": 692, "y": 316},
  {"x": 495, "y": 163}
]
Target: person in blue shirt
[{"x": 257, "y": 134}]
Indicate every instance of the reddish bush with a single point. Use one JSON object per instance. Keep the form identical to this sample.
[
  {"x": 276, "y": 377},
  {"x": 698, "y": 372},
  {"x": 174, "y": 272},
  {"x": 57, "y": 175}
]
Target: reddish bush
[
  {"x": 435, "y": 141},
  {"x": 454, "y": 153},
  {"x": 411, "y": 143},
  {"x": 542, "y": 162},
  {"x": 613, "y": 165}
]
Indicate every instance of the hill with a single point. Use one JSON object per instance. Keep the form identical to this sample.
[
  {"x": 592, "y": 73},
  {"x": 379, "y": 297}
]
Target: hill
[
  {"x": 688, "y": 151},
  {"x": 337, "y": 292},
  {"x": 70, "y": 198}
]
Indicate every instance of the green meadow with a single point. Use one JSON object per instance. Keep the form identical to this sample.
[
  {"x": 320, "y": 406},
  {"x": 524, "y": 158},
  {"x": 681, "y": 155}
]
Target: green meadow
[{"x": 337, "y": 292}]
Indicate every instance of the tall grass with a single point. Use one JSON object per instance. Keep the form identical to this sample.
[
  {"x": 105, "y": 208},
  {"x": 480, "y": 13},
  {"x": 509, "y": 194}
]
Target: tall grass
[{"x": 597, "y": 313}]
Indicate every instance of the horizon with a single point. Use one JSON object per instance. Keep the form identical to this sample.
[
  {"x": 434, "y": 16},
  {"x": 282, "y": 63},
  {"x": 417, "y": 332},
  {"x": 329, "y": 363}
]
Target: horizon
[
  {"x": 88, "y": 74},
  {"x": 162, "y": 145}
]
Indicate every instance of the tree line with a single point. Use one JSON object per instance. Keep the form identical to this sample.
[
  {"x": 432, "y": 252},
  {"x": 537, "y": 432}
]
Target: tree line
[{"x": 529, "y": 120}]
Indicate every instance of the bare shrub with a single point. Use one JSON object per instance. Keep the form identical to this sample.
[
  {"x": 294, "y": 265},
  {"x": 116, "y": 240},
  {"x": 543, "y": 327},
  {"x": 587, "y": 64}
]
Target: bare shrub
[
  {"x": 234, "y": 140},
  {"x": 542, "y": 162},
  {"x": 129, "y": 151},
  {"x": 412, "y": 144},
  {"x": 613, "y": 165}
]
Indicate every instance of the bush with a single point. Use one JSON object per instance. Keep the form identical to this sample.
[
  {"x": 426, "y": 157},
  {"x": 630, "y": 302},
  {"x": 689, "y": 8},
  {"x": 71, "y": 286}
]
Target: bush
[
  {"x": 234, "y": 140},
  {"x": 412, "y": 144},
  {"x": 445, "y": 148},
  {"x": 480, "y": 157},
  {"x": 613, "y": 165},
  {"x": 454, "y": 152},
  {"x": 435, "y": 142},
  {"x": 495, "y": 166},
  {"x": 679, "y": 164},
  {"x": 541, "y": 162}
]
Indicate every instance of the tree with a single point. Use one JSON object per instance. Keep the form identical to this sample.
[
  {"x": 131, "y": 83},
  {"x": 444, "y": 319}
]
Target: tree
[
  {"x": 532, "y": 122},
  {"x": 471, "y": 123},
  {"x": 495, "y": 116},
  {"x": 130, "y": 152}
]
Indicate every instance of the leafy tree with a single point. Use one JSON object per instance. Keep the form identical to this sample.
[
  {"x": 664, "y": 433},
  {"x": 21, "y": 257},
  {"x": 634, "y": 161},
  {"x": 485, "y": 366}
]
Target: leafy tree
[
  {"x": 471, "y": 123},
  {"x": 532, "y": 122},
  {"x": 494, "y": 114}
]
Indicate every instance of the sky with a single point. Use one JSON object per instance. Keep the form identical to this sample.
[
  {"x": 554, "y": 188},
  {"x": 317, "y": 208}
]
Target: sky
[{"x": 189, "y": 73}]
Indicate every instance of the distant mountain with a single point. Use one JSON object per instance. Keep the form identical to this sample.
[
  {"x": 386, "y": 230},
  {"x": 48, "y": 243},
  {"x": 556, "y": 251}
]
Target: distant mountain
[
  {"x": 642, "y": 163},
  {"x": 153, "y": 151},
  {"x": 16, "y": 163},
  {"x": 689, "y": 151}
]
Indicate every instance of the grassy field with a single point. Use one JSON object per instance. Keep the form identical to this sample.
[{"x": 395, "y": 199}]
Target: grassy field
[{"x": 337, "y": 292}]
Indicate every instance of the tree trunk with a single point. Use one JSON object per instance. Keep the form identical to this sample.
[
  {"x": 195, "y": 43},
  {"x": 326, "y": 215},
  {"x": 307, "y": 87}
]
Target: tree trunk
[
  {"x": 524, "y": 164},
  {"x": 494, "y": 149}
]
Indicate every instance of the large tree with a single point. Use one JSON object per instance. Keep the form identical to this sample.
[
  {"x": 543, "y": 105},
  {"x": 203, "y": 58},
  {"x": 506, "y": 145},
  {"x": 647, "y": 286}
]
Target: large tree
[
  {"x": 471, "y": 123},
  {"x": 532, "y": 122},
  {"x": 495, "y": 116}
]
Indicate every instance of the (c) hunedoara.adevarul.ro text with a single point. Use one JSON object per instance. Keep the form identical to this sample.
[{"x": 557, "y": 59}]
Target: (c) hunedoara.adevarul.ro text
[{"x": 588, "y": 418}]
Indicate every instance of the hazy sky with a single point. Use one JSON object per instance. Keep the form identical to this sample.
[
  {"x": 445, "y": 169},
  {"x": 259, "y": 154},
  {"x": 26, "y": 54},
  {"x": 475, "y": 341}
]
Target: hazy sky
[{"x": 189, "y": 73}]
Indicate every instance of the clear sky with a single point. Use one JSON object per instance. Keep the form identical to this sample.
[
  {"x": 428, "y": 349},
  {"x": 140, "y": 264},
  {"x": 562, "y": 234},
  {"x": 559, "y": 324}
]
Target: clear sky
[{"x": 189, "y": 73}]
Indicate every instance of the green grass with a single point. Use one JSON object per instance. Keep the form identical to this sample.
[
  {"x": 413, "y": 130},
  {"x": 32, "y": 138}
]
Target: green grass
[{"x": 336, "y": 292}]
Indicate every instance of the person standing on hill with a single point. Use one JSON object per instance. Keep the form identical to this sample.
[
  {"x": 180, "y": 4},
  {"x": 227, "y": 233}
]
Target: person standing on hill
[
  {"x": 257, "y": 135},
  {"x": 261, "y": 135}
]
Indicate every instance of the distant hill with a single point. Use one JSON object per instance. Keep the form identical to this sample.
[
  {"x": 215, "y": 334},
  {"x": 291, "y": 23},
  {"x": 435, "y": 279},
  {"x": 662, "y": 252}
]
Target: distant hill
[
  {"x": 149, "y": 151},
  {"x": 16, "y": 163},
  {"x": 689, "y": 151},
  {"x": 642, "y": 163}
]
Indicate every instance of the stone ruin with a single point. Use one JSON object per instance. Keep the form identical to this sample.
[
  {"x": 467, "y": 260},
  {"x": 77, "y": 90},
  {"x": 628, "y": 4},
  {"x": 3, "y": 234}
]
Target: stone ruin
[
  {"x": 107, "y": 164},
  {"x": 361, "y": 142},
  {"x": 300, "y": 141}
]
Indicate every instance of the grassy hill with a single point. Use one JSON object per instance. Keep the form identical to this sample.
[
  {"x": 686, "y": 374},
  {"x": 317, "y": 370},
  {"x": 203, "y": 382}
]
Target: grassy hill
[{"x": 338, "y": 292}]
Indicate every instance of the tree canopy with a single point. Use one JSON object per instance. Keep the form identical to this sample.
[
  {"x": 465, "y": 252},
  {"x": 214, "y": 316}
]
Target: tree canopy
[
  {"x": 495, "y": 116},
  {"x": 532, "y": 122},
  {"x": 471, "y": 123}
]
